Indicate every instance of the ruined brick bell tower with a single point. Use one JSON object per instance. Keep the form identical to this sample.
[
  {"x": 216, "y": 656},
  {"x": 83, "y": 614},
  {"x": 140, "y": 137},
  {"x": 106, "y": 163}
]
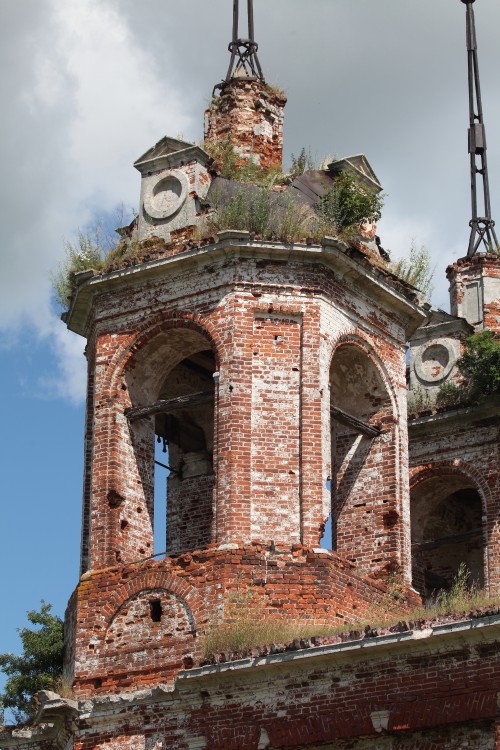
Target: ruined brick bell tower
[{"x": 274, "y": 372}]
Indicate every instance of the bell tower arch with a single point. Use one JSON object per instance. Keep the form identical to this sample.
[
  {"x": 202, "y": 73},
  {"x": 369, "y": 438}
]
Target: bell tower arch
[{"x": 239, "y": 353}]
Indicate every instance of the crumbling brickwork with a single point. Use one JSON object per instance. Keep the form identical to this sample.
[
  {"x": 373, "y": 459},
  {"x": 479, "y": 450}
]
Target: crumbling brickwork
[
  {"x": 274, "y": 374},
  {"x": 456, "y": 452},
  {"x": 421, "y": 691},
  {"x": 121, "y": 639},
  {"x": 271, "y": 409},
  {"x": 249, "y": 114},
  {"x": 475, "y": 290},
  {"x": 271, "y": 345}
]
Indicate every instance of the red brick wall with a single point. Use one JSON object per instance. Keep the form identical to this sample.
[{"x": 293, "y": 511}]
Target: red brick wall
[
  {"x": 482, "y": 272},
  {"x": 275, "y": 420},
  {"x": 273, "y": 327},
  {"x": 436, "y": 692},
  {"x": 467, "y": 447},
  {"x": 116, "y": 646},
  {"x": 134, "y": 351},
  {"x": 189, "y": 513},
  {"x": 250, "y": 114}
]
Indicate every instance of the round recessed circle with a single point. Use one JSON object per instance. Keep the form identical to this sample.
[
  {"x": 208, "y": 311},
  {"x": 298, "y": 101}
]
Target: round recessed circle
[
  {"x": 166, "y": 195},
  {"x": 434, "y": 363}
]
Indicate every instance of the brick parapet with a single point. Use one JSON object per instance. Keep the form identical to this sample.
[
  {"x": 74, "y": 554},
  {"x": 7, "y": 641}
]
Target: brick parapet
[
  {"x": 475, "y": 290},
  {"x": 298, "y": 584}
]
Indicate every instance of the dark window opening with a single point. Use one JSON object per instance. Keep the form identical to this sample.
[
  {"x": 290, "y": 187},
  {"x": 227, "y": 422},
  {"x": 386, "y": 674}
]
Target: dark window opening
[
  {"x": 172, "y": 392},
  {"x": 155, "y": 610},
  {"x": 446, "y": 532}
]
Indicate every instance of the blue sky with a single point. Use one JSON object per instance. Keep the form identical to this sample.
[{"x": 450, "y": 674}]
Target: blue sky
[{"x": 89, "y": 85}]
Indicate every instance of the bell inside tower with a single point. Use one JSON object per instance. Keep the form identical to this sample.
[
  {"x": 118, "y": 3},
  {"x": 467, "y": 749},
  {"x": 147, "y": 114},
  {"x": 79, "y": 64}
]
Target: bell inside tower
[
  {"x": 187, "y": 437},
  {"x": 171, "y": 423}
]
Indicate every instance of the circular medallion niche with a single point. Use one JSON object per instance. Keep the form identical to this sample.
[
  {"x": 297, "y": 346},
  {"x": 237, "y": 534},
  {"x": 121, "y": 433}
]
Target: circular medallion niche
[
  {"x": 434, "y": 363},
  {"x": 166, "y": 194}
]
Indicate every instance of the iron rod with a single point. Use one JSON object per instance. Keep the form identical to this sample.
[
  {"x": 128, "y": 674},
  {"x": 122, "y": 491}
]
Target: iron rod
[
  {"x": 482, "y": 227},
  {"x": 251, "y": 33},
  {"x": 236, "y": 13}
]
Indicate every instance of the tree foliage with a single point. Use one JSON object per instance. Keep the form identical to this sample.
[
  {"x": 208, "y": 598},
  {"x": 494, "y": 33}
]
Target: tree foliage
[
  {"x": 480, "y": 364},
  {"x": 348, "y": 203},
  {"x": 38, "y": 668}
]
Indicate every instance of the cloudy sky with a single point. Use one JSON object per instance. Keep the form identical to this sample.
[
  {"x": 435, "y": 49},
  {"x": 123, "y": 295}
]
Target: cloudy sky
[{"x": 88, "y": 85}]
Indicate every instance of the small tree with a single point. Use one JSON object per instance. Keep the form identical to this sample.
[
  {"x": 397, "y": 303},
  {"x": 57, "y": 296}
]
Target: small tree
[
  {"x": 348, "y": 203},
  {"x": 301, "y": 163},
  {"x": 38, "y": 668},
  {"x": 480, "y": 364},
  {"x": 416, "y": 269}
]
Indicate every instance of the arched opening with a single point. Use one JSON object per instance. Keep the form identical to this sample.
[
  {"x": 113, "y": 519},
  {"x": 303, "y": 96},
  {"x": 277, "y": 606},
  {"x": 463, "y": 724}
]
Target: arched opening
[
  {"x": 171, "y": 424},
  {"x": 364, "y": 507},
  {"x": 187, "y": 434},
  {"x": 446, "y": 530}
]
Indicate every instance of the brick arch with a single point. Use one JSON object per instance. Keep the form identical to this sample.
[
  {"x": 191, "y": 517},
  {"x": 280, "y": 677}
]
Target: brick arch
[
  {"x": 124, "y": 350},
  {"x": 133, "y": 344},
  {"x": 463, "y": 471},
  {"x": 357, "y": 338},
  {"x": 151, "y": 579},
  {"x": 458, "y": 467}
]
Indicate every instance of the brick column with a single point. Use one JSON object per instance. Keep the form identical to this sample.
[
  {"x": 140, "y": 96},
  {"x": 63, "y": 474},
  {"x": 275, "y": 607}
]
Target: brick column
[{"x": 248, "y": 113}]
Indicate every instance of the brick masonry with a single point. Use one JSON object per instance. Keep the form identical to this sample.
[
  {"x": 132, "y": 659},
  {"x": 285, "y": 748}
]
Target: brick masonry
[
  {"x": 288, "y": 340},
  {"x": 459, "y": 452},
  {"x": 475, "y": 290},
  {"x": 279, "y": 335},
  {"x": 259, "y": 501},
  {"x": 439, "y": 690},
  {"x": 249, "y": 114}
]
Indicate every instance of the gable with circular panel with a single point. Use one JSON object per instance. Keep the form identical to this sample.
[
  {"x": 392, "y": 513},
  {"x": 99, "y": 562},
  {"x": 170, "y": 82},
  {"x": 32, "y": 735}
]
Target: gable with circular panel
[{"x": 174, "y": 185}]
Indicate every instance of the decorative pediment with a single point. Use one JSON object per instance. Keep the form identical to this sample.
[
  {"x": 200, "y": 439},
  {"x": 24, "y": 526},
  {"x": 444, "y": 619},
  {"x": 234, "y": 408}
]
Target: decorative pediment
[
  {"x": 169, "y": 153},
  {"x": 359, "y": 166}
]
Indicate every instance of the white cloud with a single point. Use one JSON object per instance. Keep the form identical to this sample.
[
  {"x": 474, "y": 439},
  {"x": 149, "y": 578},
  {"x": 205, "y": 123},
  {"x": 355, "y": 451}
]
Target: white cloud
[
  {"x": 69, "y": 377},
  {"x": 86, "y": 98}
]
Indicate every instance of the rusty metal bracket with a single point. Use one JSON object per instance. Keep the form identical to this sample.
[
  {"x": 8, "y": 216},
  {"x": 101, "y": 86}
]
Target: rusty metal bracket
[
  {"x": 482, "y": 227},
  {"x": 244, "y": 62}
]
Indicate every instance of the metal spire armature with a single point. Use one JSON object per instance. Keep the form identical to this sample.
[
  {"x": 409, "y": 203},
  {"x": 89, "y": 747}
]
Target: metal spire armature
[
  {"x": 482, "y": 227},
  {"x": 244, "y": 60}
]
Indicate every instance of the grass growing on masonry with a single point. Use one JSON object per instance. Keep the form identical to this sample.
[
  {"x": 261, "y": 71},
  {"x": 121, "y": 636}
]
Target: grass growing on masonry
[
  {"x": 416, "y": 269},
  {"x": 246, "y": 628},
  {"x": 256, "y": 209}
]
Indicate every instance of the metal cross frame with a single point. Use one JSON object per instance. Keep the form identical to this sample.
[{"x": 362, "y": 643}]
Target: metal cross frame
[
  {"x": 244, "y": 59},
  {"x": 482, "y": 227}
]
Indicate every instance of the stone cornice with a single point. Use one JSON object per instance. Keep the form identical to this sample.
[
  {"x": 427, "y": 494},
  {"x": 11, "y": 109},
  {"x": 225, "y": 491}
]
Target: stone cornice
[
  {"x": 448, "y": 419},
  {"x": 333, "y": 254},
  {"x": 51, "y": 726},
  {"x": 189, "y": 683}
]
